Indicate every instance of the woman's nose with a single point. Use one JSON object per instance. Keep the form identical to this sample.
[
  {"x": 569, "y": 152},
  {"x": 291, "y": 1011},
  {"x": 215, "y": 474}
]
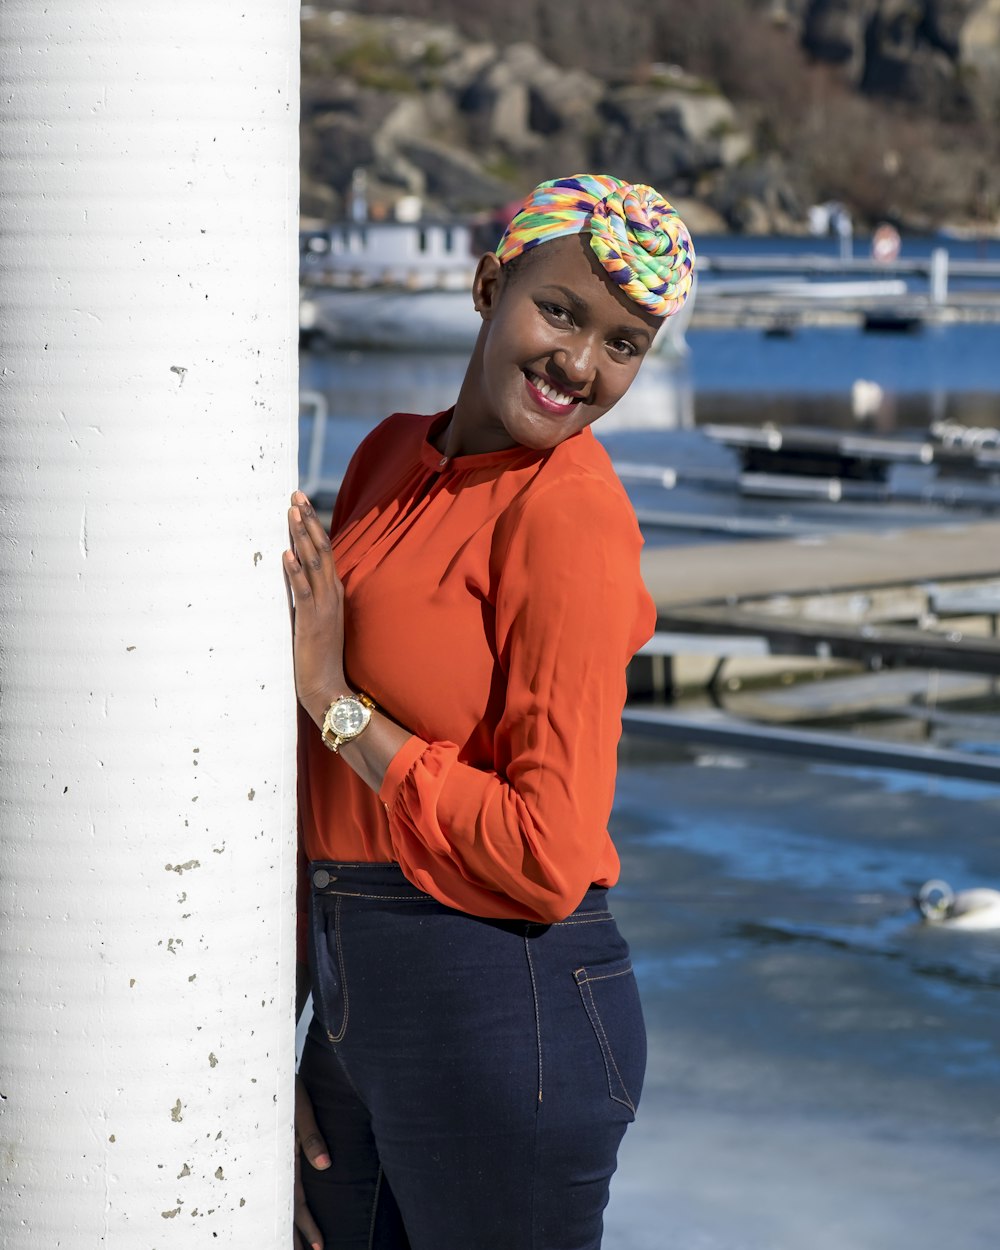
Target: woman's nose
[{"x": 574, "y": 362}]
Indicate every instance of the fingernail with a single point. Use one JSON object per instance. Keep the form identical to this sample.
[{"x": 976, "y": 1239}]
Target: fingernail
[{"x": 322, "y": 1161}]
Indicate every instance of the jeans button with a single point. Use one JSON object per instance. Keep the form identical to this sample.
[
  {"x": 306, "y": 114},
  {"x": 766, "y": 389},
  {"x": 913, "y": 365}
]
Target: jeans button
[{"x": 321, "y": 878}]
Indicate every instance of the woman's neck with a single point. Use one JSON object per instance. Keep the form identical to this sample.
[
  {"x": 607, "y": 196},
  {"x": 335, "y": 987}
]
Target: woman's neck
[
  {"x": 454, "y": 439},
  {"x": 470, "y": 431}
]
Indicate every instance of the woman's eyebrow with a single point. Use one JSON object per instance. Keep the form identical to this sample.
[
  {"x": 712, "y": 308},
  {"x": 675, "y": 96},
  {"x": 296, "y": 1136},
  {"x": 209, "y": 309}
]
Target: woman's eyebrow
[
  {"x": 568, "y": 296},
  {"x": 581, "y": 305},
  {"x": 633, "y": 332}
]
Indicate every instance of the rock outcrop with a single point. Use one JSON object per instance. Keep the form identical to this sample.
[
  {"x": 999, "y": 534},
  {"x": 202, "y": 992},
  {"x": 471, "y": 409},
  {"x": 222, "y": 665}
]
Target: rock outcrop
[
  {"x": 979, "y": 58},
  {"x": 941, "y": 56},
  {"x": 891, "y": 106},
  {"x": 470, "y": 125}
]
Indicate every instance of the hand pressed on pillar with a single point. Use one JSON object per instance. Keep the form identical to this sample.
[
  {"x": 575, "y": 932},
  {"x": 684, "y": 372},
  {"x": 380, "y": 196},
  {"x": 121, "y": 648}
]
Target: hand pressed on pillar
[
  {"x": 318, "y": 642},
  {"x": 319, "y": 611}
]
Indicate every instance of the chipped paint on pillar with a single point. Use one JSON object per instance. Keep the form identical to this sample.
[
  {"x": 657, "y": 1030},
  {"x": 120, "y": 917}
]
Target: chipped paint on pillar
[{"x": 148, "y": 261}]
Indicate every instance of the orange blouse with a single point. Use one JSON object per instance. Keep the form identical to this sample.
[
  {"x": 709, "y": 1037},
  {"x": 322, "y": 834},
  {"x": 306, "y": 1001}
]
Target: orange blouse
[{"x": 492, "y": 603}]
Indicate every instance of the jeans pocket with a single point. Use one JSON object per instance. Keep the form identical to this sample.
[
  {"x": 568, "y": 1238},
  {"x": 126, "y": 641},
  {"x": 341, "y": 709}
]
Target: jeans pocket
[
  {"x": 610, "y": 997},
  {"x": 329, "y": 987}
]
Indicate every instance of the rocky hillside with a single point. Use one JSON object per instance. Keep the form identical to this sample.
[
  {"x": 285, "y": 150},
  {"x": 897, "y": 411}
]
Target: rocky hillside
[{"x": 742, "y": 112}]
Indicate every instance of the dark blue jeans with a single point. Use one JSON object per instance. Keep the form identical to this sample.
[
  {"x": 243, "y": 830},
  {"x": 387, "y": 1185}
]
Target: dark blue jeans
[{"x": 473, "y": 1078}]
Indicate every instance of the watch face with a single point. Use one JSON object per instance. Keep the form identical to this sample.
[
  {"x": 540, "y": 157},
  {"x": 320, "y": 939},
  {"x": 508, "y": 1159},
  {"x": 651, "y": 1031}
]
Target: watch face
[{"x": 348, "y": 718}]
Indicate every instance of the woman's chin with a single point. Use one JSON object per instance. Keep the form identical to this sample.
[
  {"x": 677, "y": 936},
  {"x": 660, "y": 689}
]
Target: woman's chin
[{"x": 540, "y": 437}]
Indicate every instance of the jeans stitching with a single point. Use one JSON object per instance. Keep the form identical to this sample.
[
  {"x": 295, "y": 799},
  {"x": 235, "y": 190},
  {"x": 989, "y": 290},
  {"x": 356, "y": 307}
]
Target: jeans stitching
[
  {"x": 583, "y": 980},
  {"x": 597, "y": 918},
  {"x": 342, "y": 863},
  {"x": 339, "y": 1037},
  {"x": 601, "y": 917},
  {"x": 380, "y": 898},
  {"x": 538, "y": 1021}
]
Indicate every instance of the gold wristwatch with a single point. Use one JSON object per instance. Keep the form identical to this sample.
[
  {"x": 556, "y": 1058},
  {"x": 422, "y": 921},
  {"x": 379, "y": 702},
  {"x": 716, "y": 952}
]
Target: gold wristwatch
[{"x": 346, "y": 718}]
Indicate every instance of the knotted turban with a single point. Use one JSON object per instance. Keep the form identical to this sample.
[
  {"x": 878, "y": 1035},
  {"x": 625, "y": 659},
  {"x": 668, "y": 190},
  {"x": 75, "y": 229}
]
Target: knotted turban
[{"x": 635, "y": 233}]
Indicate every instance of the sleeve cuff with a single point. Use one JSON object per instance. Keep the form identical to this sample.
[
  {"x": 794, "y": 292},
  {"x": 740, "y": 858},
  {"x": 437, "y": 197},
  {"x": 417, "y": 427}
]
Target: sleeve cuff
[{"x": 399, "y": 766}]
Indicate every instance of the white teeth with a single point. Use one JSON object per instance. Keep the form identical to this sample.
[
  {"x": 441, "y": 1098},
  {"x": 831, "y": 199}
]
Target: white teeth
[{"x": 550, "y": 391}]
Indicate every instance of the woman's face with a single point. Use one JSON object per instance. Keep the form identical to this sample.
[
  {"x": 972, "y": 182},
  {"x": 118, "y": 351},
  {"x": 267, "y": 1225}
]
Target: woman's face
[{"x": 560, "y": 344}]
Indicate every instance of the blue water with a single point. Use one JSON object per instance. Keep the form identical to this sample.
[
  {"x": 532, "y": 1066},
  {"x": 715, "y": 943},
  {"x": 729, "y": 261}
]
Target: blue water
[
  {"x": 814, "y": 1046},
  {"x": 939, "y": 360},
  {"x": 948, "y": 359},
  {"x": 912, "y": 246}
]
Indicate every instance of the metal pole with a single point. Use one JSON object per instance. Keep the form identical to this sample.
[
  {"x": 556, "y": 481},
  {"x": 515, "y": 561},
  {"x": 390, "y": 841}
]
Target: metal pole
[
  {"x": 939, "y": 276},
  {"x": 147, "y": 416}
]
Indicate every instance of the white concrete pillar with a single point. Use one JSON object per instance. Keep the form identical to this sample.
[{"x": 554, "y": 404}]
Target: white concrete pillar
[{"x": 148, "y": 297}]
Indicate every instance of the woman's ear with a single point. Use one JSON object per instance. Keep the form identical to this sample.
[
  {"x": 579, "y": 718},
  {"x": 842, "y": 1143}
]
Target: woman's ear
[{"x": 486, "y": 285}]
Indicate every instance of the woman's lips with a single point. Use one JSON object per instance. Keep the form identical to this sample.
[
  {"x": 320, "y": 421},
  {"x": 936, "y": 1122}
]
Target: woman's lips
[{"x": 547, "y": 396}]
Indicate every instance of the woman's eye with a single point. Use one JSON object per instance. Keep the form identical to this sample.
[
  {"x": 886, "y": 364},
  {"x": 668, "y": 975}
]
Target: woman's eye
[
  {"x": 624, "y": 347},
  {"x": 556, "y": 311}
]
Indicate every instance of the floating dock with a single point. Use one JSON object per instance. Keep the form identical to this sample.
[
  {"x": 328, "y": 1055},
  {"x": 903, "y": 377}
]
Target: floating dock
[
  {"x": 716, "y": 728},
  {"x": 820, "y": 565},
  {"x": 779, "y": 293},
  {"x": 922, "y": 598}
]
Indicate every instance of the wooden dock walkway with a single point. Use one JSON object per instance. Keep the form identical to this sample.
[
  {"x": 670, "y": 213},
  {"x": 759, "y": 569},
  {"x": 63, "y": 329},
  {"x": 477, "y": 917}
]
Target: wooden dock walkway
[
  {"x": 842, "y": 562},
  {"x": 877, "y": 646},
  {"x": 923, "y": 598},
  {"x": 764, "y": 609}
]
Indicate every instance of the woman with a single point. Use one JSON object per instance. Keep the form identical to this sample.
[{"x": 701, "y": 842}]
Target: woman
[{"x": 477, "y": 1048}]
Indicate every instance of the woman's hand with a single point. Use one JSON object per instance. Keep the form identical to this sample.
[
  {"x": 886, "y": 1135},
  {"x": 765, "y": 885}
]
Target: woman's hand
[
  {"x": 319, "y": 611},
  {"x": 309, "y": 1139}
]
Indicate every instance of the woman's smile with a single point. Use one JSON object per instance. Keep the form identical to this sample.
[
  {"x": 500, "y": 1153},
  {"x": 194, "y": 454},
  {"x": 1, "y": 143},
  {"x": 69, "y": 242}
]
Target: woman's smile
[{"x": 548, "y": 396}]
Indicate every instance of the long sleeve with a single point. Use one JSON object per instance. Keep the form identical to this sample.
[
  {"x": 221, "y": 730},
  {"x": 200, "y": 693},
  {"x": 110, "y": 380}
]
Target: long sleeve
[
  {"x": 353, "y": 479},
  {"x": 528, "y": 837}
]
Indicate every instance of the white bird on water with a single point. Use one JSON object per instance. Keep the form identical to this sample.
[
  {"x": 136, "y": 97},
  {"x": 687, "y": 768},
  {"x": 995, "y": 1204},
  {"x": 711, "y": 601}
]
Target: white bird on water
[{"x": 967, "y": 909}]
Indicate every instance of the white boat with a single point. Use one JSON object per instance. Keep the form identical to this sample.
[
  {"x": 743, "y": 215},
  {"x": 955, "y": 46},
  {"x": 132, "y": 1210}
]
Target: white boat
[
  {"x": 406, "y": 286},
  {"x": 397, "y": 255}
]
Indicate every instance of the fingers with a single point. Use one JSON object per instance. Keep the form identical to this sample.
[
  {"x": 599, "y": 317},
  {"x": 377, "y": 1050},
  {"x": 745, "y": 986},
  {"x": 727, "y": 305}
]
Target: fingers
[
  {"x": 309, "y": 561},
  {"x": 306, "y": 1227},
  {"x": 297, "y": 578},
  {"x": 308, "y": 1140},
  {"x": 307, "y": 1131},
  {"x": 309, "y": 538},
  {"x": 308, "y": 555}
]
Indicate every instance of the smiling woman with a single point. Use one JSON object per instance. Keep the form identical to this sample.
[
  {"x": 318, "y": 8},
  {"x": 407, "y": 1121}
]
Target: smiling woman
[{"x": 477, "y": 1047}]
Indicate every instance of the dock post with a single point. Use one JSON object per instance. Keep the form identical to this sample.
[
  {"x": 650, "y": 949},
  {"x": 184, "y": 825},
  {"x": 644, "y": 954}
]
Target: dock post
[
  {"x": 939, "y": 277},
  {"x": 148, "y": 262}
]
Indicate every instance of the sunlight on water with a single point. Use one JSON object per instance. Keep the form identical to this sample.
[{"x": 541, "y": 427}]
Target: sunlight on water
[
  {"x": 814, "y": 1046},
  {"x": 894, "y": 782},
  {"x": 768, "y": 852}
]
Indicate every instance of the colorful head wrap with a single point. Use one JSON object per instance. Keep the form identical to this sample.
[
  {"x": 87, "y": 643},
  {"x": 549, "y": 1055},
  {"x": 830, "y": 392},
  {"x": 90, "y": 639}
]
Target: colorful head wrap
[{"x": 634, "y": 232}]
